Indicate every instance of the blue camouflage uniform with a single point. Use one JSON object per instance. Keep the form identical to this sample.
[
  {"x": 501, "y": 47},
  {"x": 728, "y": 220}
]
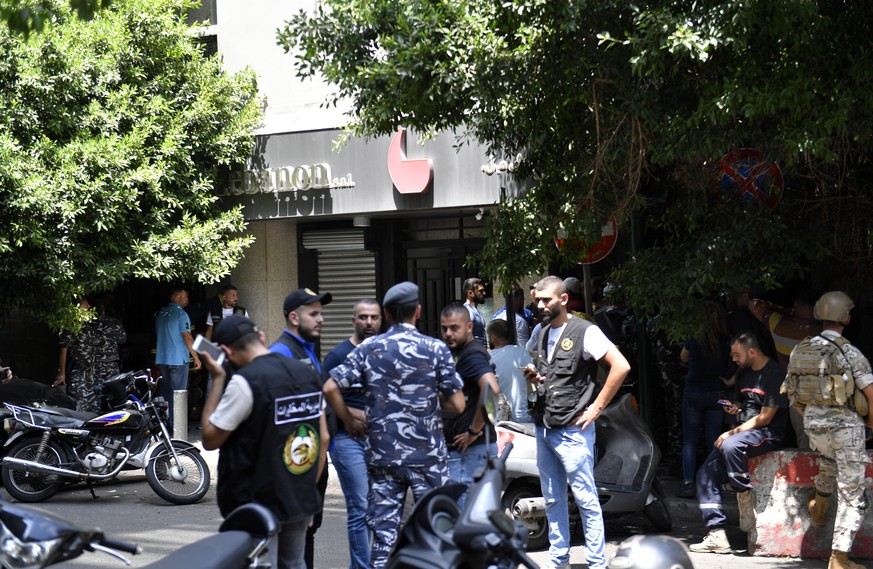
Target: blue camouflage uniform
[{"x": 402, "y": 372}]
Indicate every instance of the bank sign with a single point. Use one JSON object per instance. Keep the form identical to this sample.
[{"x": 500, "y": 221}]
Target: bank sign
[{"x": 302, "y": 175}]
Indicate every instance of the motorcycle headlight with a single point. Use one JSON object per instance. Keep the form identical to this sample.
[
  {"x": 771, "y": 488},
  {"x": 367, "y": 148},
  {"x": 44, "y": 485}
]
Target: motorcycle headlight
[{"x": 17, "y": 554}]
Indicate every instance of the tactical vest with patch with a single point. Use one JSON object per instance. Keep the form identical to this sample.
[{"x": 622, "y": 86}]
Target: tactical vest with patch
[{"x": 821, "y": 374}]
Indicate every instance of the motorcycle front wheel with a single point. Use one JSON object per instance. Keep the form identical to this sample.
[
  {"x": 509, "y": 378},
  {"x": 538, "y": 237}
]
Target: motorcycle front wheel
[
  {"x": 183, "y": 483},
  {"x": 33, "y": 486}
]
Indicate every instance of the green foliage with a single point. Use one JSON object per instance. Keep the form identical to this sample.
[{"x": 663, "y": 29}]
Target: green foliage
[
  {"x": 113, "y": 132},
  {"x": 624, "y": 109},
  {"x": 26, "y": 16}
]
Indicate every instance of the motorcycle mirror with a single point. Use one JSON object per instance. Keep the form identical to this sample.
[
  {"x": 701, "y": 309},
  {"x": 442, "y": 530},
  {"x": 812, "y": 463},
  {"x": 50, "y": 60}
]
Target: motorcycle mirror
[{"x": 489, "y": 405}]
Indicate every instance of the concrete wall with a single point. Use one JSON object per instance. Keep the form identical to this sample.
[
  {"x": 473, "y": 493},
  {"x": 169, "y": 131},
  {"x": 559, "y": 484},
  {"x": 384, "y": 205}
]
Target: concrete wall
[
  {"x": 783, "y": 482},
  {"x": 268, "y": 273}
]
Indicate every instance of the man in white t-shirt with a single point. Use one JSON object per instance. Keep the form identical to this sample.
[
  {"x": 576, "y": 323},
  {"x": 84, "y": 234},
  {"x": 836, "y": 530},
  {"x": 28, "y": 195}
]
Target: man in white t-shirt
[
  {"x": 508, "y": 360},
  {"x": 567, "y": 405}
]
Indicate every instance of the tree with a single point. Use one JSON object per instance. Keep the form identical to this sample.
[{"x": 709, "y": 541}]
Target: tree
[
  {"x": 625, "y": 108},
  {"x": 26, "y": 16},
  {"x": 113, "y": 133}
]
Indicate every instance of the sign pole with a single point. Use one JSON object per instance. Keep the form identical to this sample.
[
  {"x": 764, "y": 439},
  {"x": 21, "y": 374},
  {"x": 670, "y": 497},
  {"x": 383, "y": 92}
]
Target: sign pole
[{"x": 586, "y": 277}]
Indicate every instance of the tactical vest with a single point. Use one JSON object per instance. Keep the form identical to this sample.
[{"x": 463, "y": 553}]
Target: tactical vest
[
  {"x": 216, "y": 310},
  {"x": 272, "y": 457},
  {"x": 821, "y": 374},
  {"x": 570, "y": 379}
]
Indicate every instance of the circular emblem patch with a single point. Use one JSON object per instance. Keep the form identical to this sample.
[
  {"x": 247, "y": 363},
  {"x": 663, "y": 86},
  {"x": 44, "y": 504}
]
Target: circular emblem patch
[
  {"x": 301, "y": 450},
  {"x": 566, "y": 344}
]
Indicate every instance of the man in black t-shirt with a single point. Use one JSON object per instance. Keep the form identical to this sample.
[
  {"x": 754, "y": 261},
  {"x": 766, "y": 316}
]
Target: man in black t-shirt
[
  {"x": 762, "y": 413},
  {"x": 465, "y": 433}
]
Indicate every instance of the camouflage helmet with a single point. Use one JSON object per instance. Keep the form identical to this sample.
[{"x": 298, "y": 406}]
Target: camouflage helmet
[
  {"x": 651, "y": 552},
  {"x": 833, "y": 306}
]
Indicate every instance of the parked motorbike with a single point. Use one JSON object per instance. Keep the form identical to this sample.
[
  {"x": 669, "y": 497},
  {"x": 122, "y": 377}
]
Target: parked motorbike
[
  {"x": 34, "y": 539},
  {"x": 49, "y": 447},
  {"x": 439, "y": 535},
  {"x": 626, "y": 459}
]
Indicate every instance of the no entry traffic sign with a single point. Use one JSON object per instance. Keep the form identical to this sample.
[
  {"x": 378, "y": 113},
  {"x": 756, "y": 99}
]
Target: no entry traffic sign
[{"x": 599, "y": 250}]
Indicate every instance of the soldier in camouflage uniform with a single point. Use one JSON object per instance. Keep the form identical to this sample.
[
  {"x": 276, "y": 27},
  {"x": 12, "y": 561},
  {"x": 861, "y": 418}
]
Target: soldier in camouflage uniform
[
  {"x": 835, "y": 429},
  {"x": 403, "y": 374},
  {"x": 92, "y": 355}
]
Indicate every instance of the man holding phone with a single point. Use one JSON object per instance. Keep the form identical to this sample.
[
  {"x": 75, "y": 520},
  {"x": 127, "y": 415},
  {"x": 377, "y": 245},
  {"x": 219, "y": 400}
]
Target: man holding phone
[{"x": 762, "y": 413}]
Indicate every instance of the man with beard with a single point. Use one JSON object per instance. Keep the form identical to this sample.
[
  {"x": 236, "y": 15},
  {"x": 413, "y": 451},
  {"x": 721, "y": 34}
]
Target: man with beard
[
  {"x": 465, "y": 433},
  {"x": 304, "y": 315},
  {"x": 474, "y": 294},
  {"x": 568, "y": 403},
  {"x": 347, "y": 452}
]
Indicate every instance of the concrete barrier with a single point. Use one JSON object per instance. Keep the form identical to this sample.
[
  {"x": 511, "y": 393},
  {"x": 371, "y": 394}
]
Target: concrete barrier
[{"x": 783, "y": 482}]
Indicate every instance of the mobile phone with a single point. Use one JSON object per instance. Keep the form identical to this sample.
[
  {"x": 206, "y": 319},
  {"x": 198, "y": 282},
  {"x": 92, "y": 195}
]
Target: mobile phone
[
  {"x": 725, "y": 403},
  {"x": 201, "y": 344}
]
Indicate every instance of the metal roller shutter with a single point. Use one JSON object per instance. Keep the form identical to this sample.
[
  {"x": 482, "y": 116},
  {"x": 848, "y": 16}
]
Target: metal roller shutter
[{"x": 348, "y": 272}]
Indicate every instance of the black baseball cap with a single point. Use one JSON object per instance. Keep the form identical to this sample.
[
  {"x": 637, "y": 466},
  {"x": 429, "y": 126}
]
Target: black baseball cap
[
  {"x": 301, "y": 296},
  {"x": 232, "y": 328}
]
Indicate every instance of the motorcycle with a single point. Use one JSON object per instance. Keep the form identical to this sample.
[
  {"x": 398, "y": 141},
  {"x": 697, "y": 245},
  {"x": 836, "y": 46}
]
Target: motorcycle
[
  {"x": 49, "y": 447},
  {"x": 33, "y": 538},
  {"x": 626, "y": 460},
  {"x": 439, "y": 535}
]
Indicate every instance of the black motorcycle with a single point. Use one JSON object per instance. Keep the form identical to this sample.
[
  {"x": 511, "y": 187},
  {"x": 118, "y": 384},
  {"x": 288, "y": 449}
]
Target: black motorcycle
[
  {"x": 49, "y": 447},
  {"x": 439, "y": 535},
  {"x": 33, "y": 538}
]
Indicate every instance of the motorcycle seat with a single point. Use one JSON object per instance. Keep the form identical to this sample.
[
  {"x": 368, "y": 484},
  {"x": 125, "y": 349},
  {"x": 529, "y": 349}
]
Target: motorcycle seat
[
  {"x": 225, "y": 550},
  {"x": 82, "y": 416},
  {"x": 523, "y": 428}
]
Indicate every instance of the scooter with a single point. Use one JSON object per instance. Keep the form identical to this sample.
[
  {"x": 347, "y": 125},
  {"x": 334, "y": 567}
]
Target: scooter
[
  {"x": 439, "y": 535},
  {"x": 626, "y": 459},
  {"x": 34, "y": 539}
]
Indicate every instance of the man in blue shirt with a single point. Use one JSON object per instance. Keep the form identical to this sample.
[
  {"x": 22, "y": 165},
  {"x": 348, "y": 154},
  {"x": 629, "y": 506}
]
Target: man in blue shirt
[
  {"x": 304, "y": 315},
  {"x": 174, "y": 345}
]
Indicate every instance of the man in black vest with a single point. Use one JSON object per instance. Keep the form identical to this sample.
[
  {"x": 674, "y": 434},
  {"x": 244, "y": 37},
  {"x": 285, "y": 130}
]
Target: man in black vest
[
  {"x": 272, "y": 452},
  {"x": 568, "y": 403},
  {"x": 304, "y": 315},
  {"x": 220, "y": 306}
]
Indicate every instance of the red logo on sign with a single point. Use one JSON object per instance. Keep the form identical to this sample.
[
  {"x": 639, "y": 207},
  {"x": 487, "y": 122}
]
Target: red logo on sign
[{"x": 409, "y": 176}]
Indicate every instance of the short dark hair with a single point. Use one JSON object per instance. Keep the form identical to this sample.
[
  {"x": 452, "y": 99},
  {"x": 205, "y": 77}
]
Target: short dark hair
[
  {"x": 552, "y": 281},
  {"x": 365, "y": 301},
  {"x": 747, "y": 340},
  {"x": 401, "y": 312},
  {"x": 471, "y": 283},
  {"x": 175, "y": 289},
  {"x": 226, "y": 288},
  {"x": 500, "y": 329},
  {"x": 455, "y": 309}
]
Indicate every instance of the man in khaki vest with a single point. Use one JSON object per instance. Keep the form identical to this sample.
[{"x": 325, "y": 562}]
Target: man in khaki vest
[{"x": 836, "y": 430}]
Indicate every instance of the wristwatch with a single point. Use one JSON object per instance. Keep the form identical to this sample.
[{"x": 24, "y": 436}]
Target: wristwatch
[{"x": 470, "y": 431}]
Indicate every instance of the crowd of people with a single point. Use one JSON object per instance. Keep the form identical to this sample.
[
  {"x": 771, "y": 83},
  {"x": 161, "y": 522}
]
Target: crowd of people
[{"x": 399, "y": 411}]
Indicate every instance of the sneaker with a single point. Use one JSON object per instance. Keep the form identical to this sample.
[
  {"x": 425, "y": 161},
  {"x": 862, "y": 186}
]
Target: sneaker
[
  {"x": 748, "y": 514},
  {"x": 549, "y": 565},
  {"x": 686, "y": 489},
  {"x": 716, "y": 541}
]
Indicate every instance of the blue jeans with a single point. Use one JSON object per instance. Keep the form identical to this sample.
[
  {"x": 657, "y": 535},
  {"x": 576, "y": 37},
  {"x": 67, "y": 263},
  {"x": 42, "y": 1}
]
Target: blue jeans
[
  {"x": 565, "y": 456},
  {"x": 286, "y": 548},
  {"x": 464, "y": 465},
  {"x": 729, "y": 465},
  {"x": 699, "y": 411},
  {"x": 347, "y": 455},
  {"x": 173, "y": 378}
]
